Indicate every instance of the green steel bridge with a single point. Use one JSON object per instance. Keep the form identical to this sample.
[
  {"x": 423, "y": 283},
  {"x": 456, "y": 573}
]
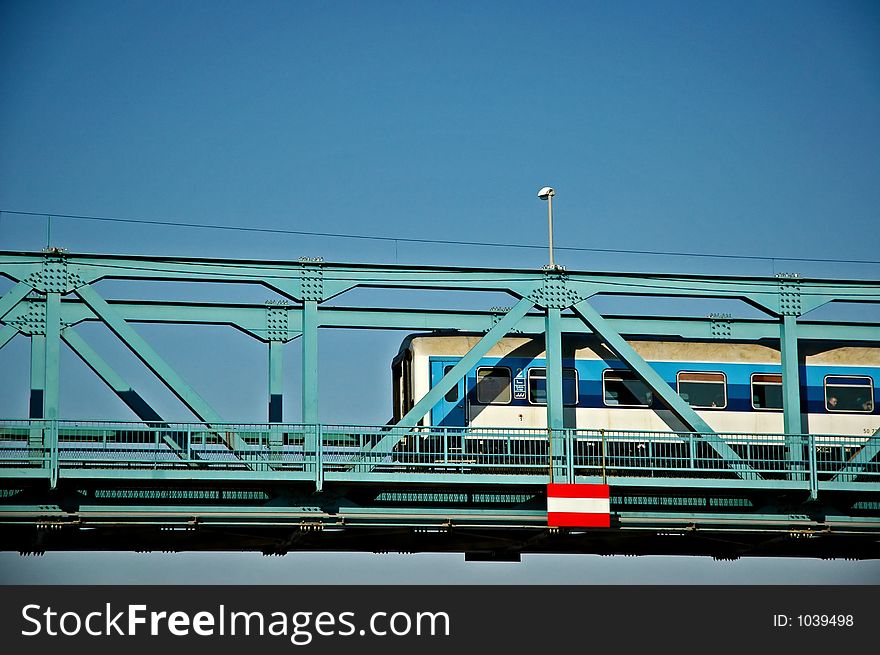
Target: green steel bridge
[{"x": 211, "y": 484}]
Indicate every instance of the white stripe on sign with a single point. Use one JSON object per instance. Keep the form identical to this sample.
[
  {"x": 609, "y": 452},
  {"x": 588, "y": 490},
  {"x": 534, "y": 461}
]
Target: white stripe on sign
[{"x": 579, "y": 505}]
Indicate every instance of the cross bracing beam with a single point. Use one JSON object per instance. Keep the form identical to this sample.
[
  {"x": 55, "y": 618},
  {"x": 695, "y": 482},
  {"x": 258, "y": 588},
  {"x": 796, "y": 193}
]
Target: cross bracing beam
[
  {"x": 251, "y": 319},
  {"x": 684, "y": 327},
  {"x": 493, "y": 336},
  {"x": 14, "y": 296},
  {"x": 132, "y": 399},
  {"x": 287, "y": 277},
  {"x": 659, "y": 386},
  {"x": 166, "y": 374},
  {"x": 7, "y": 333}
]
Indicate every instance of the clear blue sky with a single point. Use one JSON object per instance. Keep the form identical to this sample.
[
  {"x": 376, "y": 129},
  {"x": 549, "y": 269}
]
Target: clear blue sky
[{"x": 745, "y": 128}]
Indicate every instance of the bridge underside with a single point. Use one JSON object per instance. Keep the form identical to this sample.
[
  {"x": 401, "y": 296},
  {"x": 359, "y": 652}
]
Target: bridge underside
[{"x": 486, "y": 522}]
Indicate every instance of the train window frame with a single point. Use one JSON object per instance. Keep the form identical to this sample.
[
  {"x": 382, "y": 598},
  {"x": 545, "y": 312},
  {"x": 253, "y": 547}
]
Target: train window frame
[
  {"x": 446, "y": 398},
  {"x": 752, "y": 392},
  {"x": 724, "y": 387},
  {"x": 850, "y": 377},
  {"x": 625, "y": 371},
  {"x": 544, "y": 368},
  {"x": 509, "y": 386}
]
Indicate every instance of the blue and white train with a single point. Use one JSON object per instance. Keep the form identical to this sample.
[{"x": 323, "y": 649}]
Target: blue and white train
[{"x": 735, "y": 388}]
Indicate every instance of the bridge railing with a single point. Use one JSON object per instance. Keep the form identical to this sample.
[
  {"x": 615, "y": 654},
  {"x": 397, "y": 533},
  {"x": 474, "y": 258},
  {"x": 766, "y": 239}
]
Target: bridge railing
[{"x": 53, "y": 449}]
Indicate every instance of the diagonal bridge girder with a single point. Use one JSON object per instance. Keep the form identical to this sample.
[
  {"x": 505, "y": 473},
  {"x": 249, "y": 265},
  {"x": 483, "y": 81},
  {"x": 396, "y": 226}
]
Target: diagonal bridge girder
[
  {"x": 14, "y": 296},
  {"x": 166, "y": 374},
  {"x": 7, "y": 332},
  {"x": 860, "y": 459},
  {"x": 132, "y": 399},
  {"x": 424, "y": 405},
  {"x": 658, "y": 385}
]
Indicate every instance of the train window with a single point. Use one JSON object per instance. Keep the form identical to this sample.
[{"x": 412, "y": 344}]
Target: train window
[
  {"x": 703, "y": 390},
  {"x": 538, "y": 386},
  {"x": 493, "y": 385},
  {"x": 766, "y": 391},
  {"x": 849, "y": 394},
  {"x": 451, "y": 395},
  {"x": 625, "y": 389}
]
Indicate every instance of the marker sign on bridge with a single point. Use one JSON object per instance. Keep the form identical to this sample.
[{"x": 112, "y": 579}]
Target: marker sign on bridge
[{"x": 578, "y": 506}]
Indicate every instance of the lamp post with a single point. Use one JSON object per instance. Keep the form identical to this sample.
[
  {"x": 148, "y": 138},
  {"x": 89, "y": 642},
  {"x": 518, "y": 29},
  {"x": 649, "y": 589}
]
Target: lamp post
[{"x": 547, "y": 193}]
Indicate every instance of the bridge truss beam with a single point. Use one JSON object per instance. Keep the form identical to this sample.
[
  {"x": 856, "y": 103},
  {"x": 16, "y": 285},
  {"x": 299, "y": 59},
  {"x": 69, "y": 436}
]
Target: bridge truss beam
[{"x": 54, "y": 291}]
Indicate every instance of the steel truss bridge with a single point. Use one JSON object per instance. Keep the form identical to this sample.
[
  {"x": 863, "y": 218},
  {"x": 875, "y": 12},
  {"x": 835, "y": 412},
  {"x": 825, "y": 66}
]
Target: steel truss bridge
[{"x": 211, "y": 484}]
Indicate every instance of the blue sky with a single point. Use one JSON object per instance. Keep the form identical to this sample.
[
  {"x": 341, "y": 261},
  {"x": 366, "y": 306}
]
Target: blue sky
[{"x": 743, "y": 128}]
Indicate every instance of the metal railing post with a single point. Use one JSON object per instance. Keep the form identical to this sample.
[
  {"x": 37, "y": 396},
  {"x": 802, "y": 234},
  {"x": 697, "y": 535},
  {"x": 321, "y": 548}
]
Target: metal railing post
[
  {"x": 319, "y": 457},
  {"x": 53, "y": 453},
  {"x": 604, "y": 453},
  {"x": 569, "y": 452},
  {"x": 812, "y": 466}
]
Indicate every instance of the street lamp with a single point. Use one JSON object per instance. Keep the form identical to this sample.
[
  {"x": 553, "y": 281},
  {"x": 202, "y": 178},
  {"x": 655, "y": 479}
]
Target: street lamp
[{"x": 547, "y": 193}]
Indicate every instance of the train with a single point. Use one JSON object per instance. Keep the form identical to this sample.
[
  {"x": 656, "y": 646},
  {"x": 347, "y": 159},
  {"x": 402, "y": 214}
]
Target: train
[{"x": 733, "y": 387}]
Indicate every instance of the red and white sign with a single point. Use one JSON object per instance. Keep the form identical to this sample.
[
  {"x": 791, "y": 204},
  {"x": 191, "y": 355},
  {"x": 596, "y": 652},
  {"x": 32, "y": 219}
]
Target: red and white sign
[{"x": 578, "y": 506}]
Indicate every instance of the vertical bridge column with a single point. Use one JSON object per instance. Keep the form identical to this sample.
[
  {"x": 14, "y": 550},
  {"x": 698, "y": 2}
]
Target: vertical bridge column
[
  {"x": 51, "y": 389},
  {"x": 554, "y": 295},
  {"x": 790, "y": 308},
  {"x": 276, "y": 381},
  {"x": 312, "y": 293},
  {"x": 54, "y": 279},
  {"x": 791, "y": 387},
  {"x": 38, "y": 376},
  {"x": 277, "y": 334},
  {"x": 276, "y": 397},
  {"x": 553, "y": 381},
  {"x": 310, "y": 362},
  {"x": 38, "y": 387}
]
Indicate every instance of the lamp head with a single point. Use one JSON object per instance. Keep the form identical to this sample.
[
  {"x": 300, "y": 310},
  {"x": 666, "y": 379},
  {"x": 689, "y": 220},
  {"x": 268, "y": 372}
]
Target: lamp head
[{"x": 546, "y": 192}]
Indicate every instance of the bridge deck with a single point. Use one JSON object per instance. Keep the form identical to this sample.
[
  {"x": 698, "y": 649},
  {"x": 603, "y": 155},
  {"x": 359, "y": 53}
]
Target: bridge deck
[{"x": 97, "y": 485}]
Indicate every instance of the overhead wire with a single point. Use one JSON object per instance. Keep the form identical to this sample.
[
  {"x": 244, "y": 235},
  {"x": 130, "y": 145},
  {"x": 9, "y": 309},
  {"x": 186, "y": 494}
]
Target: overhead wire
[{"x": 456, "y": 242}]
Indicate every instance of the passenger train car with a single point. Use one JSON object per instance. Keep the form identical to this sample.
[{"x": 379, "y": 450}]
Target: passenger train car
[{"x": 735, "y": 388}]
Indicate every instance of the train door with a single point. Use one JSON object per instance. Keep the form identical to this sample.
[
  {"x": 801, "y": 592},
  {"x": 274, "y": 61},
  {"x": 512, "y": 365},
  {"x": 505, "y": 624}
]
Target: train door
[{"x": 450, "y": 410}]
